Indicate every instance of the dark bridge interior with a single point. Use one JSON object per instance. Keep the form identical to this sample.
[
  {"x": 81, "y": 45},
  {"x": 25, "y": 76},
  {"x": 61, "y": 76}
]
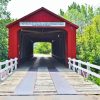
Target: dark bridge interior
[{"x": 28, "y": 36}]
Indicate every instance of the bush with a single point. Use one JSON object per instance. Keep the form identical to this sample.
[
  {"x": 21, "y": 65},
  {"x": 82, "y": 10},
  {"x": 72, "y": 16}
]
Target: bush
[{"x": 42, "y": 47}]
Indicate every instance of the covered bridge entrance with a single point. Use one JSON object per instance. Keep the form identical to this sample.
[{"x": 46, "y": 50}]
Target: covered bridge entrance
[{"x": 42, "y": 25}]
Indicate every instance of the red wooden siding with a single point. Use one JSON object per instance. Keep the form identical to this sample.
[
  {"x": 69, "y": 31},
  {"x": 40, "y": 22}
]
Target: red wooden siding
[{"x": 42, "y": 15}]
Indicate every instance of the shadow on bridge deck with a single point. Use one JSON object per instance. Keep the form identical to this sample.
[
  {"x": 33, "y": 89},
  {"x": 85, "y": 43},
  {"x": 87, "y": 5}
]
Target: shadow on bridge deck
[{"x": 36, "y": 62}]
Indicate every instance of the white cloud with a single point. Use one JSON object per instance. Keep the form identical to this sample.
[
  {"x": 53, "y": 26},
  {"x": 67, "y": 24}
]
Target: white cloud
[{"x": 20, "y": 8}]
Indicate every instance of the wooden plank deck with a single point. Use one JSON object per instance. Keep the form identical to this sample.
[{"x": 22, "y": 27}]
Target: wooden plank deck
[
  {"x": 80, "y": 84},
  {"x": 61, "y": 85},
  {"x": 26, "y": 86},
  {"x": 44, "y": 83},
  {"x": 8, "y": 86},
  {"x": 47, "y": 83}
]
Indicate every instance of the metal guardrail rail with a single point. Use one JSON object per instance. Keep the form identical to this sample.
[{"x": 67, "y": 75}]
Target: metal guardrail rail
[
  {"x": 76, "y": 65},
  {"x": 7, "y": 68}
]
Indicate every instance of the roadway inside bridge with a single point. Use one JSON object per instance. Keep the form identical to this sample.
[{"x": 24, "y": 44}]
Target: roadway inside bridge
[{"x": 29, "y": 36}]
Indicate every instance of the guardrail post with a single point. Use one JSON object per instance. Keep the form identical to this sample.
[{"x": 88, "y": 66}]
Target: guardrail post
[
  {"x": 69, "y": 62},
  {"x": 10, "y": 68},
  {"x": 74, "y": 64},
  {"x": 88, "y": 68},
  {"x": 0, "y": 71},
  {"x": 7, "y": 63},
  {"x": 11, "y": 65},
  {"x": 7, "y": 71},
  {"x": 16, "y": 63},
  {"x": 0, "y": 65},
  {"x": 79, "y": 64}
]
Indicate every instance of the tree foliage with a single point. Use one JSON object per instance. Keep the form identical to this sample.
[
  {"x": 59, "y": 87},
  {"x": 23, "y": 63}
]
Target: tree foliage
[
  {"x": 3, "y": 9},
  {"x": 88, "y": 35},
  {"x": 42, "y": 47},
  {"x": 4, "y": 39},
  {"x": 88, "y": 43},
  {"x": 4, "y": 20},
  {"x": 80, "y": 14}
]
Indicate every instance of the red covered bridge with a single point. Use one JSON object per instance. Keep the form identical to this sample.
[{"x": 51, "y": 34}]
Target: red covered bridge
[
  {"x": 45, "y": 75},
  {"x": 42, "y": 25}
]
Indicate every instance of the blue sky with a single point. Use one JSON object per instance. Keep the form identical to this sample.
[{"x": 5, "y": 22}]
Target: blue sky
[{"x": 20, "y": 8}]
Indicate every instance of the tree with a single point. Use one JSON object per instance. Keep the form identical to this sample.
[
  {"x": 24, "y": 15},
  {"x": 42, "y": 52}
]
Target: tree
[
  {"x": 3, "y": 9},
  {"x": 97, "y": 12},
  {"x": 88, "y": 36},
  {"x": 4, "y": 39},
  {"x": 4, "y": 20},
  {"x": 88, "y": 43},
  {"x": 80, "y": 14},
  {"x": 42, "y": 47}
]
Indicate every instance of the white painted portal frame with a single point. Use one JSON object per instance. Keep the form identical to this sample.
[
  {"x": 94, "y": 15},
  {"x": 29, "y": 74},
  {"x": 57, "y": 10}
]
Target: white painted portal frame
[{"x": 53, "y": 24}]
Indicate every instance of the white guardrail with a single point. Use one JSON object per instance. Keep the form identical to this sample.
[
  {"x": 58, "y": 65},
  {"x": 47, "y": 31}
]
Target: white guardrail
[
  {"x": 7, "y": 68},
  {"x": 76, "y": 65}
]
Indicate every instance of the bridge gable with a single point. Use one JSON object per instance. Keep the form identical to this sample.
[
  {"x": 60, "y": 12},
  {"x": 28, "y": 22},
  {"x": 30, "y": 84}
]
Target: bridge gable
[{"x": 41, "y": 15}]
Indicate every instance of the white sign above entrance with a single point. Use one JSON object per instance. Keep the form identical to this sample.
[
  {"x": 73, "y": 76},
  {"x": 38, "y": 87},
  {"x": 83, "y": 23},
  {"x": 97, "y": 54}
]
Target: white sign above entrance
[{"x": 53, "y": 24}]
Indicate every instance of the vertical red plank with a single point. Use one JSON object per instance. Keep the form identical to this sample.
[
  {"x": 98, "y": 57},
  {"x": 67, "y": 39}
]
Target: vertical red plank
[
  {"x": 73, "y": 42},
  {"x": 70, "y": 42},
  {"x": 13, "y": 48},
  {"x": 9, "y": 43}
]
